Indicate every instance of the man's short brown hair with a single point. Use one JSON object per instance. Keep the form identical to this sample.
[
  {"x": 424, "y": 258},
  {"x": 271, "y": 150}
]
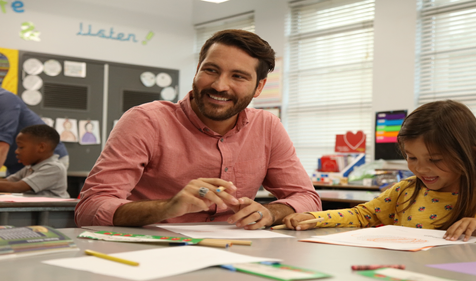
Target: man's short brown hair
[{"x": 247, "y": 41}]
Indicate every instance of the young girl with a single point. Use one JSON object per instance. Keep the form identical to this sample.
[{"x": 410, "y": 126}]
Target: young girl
[{"x": 438, "y": 140}]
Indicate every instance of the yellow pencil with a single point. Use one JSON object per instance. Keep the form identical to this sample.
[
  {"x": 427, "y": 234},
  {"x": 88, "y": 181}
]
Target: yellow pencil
[
  {"x": 215, "y": 243},
  {"x": 111, "y": 258},
  {"x": 221, "y": 188},
  {"x": 236, "y": 242},
  {"x": 283, "y": 226}
]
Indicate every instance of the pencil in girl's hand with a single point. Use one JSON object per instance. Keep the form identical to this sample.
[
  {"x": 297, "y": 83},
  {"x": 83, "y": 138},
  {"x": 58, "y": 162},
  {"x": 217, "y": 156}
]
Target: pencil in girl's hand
[
  {"x": 221, "y": 188},
  {"x": 283, "y": 226}
]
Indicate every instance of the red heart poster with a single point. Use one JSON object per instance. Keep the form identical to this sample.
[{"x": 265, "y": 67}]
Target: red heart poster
[{"x": 350, "y": 142}]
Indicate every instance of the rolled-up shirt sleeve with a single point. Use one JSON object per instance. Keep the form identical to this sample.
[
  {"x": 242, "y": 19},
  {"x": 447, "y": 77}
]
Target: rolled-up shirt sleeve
[
  {"x": 286, "y": 178},
  {"x": 117, "y": 170}
]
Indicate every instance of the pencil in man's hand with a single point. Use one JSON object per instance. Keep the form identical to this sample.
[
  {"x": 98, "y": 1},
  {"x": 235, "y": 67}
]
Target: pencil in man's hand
[{"x": 283, "y": 226}]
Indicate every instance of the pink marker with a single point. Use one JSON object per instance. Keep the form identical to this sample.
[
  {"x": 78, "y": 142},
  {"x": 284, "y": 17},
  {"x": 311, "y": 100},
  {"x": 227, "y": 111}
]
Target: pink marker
[{"x": 377, "y": 266}]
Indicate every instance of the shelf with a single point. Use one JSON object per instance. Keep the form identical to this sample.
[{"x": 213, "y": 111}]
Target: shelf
[{"x": 318, "y": 185}]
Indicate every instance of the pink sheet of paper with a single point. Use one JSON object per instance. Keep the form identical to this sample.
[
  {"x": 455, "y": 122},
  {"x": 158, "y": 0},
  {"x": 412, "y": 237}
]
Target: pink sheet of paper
[
  {"x": 31, "y": 199},
  {"x": 463, "y": 267}
]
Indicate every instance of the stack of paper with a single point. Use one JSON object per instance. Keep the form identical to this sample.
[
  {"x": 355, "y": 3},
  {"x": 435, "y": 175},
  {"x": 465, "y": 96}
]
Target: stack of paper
[
  {"x": 389, "y": 237},
  {"x": 157, "y": 263}
]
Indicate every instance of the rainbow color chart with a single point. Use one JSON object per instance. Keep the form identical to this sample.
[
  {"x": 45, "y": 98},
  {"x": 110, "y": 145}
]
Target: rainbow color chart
[{"x": 387, "y": 127}]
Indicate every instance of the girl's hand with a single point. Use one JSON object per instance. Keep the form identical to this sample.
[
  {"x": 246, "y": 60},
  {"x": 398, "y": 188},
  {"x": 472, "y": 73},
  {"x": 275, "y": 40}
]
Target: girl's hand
[
  {"x": 293, "y": 220},
  {"x": 466, "y": 226}
]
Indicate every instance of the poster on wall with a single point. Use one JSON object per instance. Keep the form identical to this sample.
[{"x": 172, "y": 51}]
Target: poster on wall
[
  {"x": 89, "y": 132},
  {"x": 48, "y": 121},
  {"x": 52, "y": 67},
  {"x": 387, "y": 126},
  {"x": 32, "y": 97},
  {"x": 74, "y": 69},
  {"x": 350, "y": 142},
  {"x": 67, "y": 129},
  {"x": 9, "y": 67},
  {"x": 33, "y": 66}
]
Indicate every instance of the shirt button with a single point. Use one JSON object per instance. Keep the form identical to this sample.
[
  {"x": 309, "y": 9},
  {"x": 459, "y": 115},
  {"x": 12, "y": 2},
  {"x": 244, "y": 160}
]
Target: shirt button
[
  {"x": 226, "y": 169},
  {"x": 221, "y": 139},
  {"x": 212, "y": 219}
]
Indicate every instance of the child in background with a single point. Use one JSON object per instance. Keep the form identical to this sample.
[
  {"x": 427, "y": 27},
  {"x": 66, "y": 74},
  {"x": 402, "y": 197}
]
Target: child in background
[
  {"x": 43, "y": 174},
  {"x": 438, "y": 141}
]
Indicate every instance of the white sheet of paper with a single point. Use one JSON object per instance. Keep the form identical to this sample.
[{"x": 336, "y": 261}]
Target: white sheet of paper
[
  {"x": 407, "y": 275},
  {"x": 157, "y": 263},
  {"x": 389, "y": 237},
  {"x": 220, "y": 231}
]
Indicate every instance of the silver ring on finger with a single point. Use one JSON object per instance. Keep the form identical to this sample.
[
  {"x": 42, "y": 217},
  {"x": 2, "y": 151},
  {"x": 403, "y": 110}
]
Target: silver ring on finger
[
  {"x": 202, "y": 191},
  {"x": 260, "y": 215}
]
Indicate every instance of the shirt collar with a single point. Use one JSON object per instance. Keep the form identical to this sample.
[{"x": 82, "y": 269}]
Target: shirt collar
[
  {"x": 186, "y": 106},
  {"x": 37, "y": 165}
]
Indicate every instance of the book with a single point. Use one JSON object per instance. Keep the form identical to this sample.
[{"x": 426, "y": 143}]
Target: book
[
  {"x": 130, "y": 237},
  {"x": 32, "y": 240}
]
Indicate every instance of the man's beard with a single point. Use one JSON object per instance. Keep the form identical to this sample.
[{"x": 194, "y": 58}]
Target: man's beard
[{"x": 212, "y": 111}]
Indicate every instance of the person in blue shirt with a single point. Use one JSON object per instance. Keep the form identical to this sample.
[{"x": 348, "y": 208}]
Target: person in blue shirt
[{"x": 14, "y": 116}]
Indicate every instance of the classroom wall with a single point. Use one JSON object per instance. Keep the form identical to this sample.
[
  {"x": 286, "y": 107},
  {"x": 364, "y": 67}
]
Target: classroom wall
[
  {"x": 172, "y": 45},
  {"x": 270, "y": 16},
  {"x": 394, "y": 55},
  {"x": 394, "y": 52},
  {"x": 394, "y": 43},
  {"x": 58, "y": 22}
]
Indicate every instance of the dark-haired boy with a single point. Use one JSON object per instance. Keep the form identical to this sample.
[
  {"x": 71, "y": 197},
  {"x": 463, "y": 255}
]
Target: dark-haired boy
[{"x": 43, "y": 174}]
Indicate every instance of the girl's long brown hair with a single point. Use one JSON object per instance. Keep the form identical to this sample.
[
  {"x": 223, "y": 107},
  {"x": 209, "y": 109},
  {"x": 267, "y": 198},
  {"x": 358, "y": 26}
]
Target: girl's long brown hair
[{"x": 449, "y": 128}]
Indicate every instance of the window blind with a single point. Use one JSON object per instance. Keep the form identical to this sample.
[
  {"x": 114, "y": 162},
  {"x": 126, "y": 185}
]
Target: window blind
[
  {"x": 204, "y": 31},
  {"x": 329, "y": 89},
  {"x": 446, "y": 51}
]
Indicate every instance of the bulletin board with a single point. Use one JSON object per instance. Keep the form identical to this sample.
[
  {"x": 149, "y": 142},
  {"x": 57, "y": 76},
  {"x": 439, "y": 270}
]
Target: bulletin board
[
  {"x": 83, "y": 98},
  {"x": 9, "y": 69},
  {"x": 124, "y": 92}
]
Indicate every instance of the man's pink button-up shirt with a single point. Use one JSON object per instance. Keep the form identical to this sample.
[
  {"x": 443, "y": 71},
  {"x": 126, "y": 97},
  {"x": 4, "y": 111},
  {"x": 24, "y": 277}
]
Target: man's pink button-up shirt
[{"x": 157, "y": 148}]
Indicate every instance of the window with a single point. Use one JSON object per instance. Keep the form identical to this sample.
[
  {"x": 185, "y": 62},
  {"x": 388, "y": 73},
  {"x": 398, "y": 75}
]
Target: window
[
  {"x": 206, "y": 30},
  {"x": 446, "y": 51},
  {"x": 329, "y": 89}
]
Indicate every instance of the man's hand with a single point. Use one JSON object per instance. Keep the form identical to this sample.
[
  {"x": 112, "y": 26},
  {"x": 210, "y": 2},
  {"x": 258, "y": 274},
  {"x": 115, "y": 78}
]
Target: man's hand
[
  {"x": 293, "y": 220},
  {"x": 466, "y": 226},
  {"x": 250, "y": 214},
  {"x": 188, "y": 200}
]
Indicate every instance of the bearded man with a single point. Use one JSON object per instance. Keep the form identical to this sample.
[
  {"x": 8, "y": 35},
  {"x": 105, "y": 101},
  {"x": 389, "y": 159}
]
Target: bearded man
[{"x": 204, "y": 158}]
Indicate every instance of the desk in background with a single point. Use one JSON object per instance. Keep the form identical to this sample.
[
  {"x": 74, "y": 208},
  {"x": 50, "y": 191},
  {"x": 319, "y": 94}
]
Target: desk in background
[
  {"x": 76, "y": 182},
  {"x": 349, "y": 198},
  {"x": 58, "y": 214},
  {"x": 331, "y": 198},
  {"x": 318, "y": 185},
  {"x": 331, "y": 259},
  {"x": 347, "y": 195}
]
